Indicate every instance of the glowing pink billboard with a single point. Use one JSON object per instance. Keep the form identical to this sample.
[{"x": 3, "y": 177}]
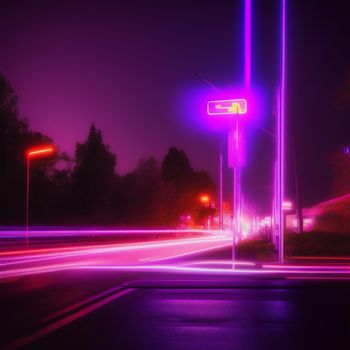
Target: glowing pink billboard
[{"x": 224, "y": 107}]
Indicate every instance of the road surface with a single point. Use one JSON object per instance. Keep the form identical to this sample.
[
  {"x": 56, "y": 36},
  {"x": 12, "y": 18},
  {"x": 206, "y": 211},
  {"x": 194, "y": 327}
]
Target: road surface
[{"x": 178, "y": 293}]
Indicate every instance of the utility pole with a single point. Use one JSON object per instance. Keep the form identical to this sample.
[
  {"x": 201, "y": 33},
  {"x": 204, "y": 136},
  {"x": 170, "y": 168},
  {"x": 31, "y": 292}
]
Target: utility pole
[
  {"x": 299, "y": 203},
  {"x": 221, "y": 213}
]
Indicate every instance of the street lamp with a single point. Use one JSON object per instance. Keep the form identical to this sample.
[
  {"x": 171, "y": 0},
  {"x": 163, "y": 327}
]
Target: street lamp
[
  {"x": 208, "y": 205},
  {"x": 204, "y": 199},
  {"x": 36, "y": 152},
  {"x": 223, "y": 108}
]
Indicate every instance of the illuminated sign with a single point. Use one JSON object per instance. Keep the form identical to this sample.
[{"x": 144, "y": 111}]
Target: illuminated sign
[{"x": 223, "y": 107}]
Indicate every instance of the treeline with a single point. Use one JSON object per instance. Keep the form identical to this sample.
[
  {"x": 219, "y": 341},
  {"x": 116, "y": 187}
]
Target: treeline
[{"x": 86, "y": 189}]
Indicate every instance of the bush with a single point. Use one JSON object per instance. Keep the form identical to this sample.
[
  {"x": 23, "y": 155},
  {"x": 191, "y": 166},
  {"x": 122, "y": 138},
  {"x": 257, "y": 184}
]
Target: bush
[
  {"x": 317, "y": 244},
  {"x": 259, "y": 249}
]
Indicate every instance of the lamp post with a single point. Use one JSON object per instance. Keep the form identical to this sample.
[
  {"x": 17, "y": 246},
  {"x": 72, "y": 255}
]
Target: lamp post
[
  {"x": 234, "y": 107},
  {"x": 36, "y": 152},
  {"x": 221, "y": 214},
  {"x": 205, "y": 200}
]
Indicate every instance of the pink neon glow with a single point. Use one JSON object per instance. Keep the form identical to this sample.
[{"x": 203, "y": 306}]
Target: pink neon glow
[
  {"x": 134, "y": 256},
  {"x": 247, "y": 42},
  {"x": 318, "y": 278},
  {"x": 220, "y": 262},
  {"x": 227, "y": 271},
  {"x": 121, "y": 254},
  {"x": 224, "y": 107},
  {"x": 287, "y": 205},
  {"x": 306, "y": 267},
  {"x": 34, "y": 152},
  {"x": 81, "y": 250},
  {"x": 322, "y": 257},
  {"x": 280, "y": 137},
  {"x": 181, "y": 255},
  {"x": 235, "y": 152},
  {"x": 282, "y": 123},
  {"x": 84, "y": 232}
]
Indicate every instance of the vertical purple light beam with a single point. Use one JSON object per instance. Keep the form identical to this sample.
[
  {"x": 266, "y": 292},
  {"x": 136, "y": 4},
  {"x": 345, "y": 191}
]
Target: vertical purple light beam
[
  {"x": 237, "y": 195},
  {"x": 281, "y": 136},
  {"x": 247, "y": 42},
  {"x": 277, "y": 173},
  {"x": 247, "y": 81},
  {"x": 274, "y": 206},
  {"x": 221, "y": 218}
]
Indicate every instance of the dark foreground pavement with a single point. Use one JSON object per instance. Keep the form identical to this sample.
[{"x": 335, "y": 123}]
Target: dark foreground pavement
[{"x": 175, "y": 311}]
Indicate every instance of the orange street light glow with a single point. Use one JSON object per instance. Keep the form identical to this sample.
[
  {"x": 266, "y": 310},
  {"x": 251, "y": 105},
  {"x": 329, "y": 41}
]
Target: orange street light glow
[
  {"x": 204, "y": 198},
  {"x": 33, "y": 152}
]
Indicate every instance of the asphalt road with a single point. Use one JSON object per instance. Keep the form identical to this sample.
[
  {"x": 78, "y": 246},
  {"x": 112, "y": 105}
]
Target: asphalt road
[
  {"x": 233, "y": 318},
  {"x": 144, "y": 311},
  {"x": 189, "y": 302}
]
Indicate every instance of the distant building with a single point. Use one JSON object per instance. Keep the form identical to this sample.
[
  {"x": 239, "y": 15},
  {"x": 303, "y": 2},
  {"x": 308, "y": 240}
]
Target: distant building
[
  {"x": 227, "y": 214},
  {"x": 328, "y": 216}
]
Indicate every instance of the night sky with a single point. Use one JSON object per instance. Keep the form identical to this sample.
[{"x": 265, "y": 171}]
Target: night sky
[{"x": 127, "y": 66}]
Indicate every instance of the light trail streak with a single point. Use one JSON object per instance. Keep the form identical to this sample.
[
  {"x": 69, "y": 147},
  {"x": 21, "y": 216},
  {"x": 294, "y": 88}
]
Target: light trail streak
[
  {"x": 229, "y": 243},
  {"x": 84, "y": 233},
  {"x": 137, "y": 256},
  {"x": 36, "y": 270},
  {"x": 103, "y": 254},
  {"x": 219, "y": 262},
  {"x": 75, "y": 247},
  {"x": 149, "y": 259},
  {"x": 307, "y": 267},
  {"x": 83, "y": 250},
  {"x": 306, "y": 274},
  {"x": 322, "y": 257},
  {"x": 218, "y": 271},
  {"x": 318, "y": 278}
]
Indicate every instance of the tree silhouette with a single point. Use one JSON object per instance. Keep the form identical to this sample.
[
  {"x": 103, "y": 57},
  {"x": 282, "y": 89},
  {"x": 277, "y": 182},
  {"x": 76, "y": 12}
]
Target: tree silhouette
[
  {"x": 139, "y": 200},
  {"x": 176, "y": 168},
  {"x": 183, "y": 186},
  {"x": 93, "y": 178},
  {"x": 86, "y": 189},
  {"x": 15, "y": 138}
]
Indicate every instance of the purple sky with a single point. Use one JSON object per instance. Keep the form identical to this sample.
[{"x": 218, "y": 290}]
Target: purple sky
[
  {"x": 125, "y": 66},
  {"x": 121, "y": 67}
]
